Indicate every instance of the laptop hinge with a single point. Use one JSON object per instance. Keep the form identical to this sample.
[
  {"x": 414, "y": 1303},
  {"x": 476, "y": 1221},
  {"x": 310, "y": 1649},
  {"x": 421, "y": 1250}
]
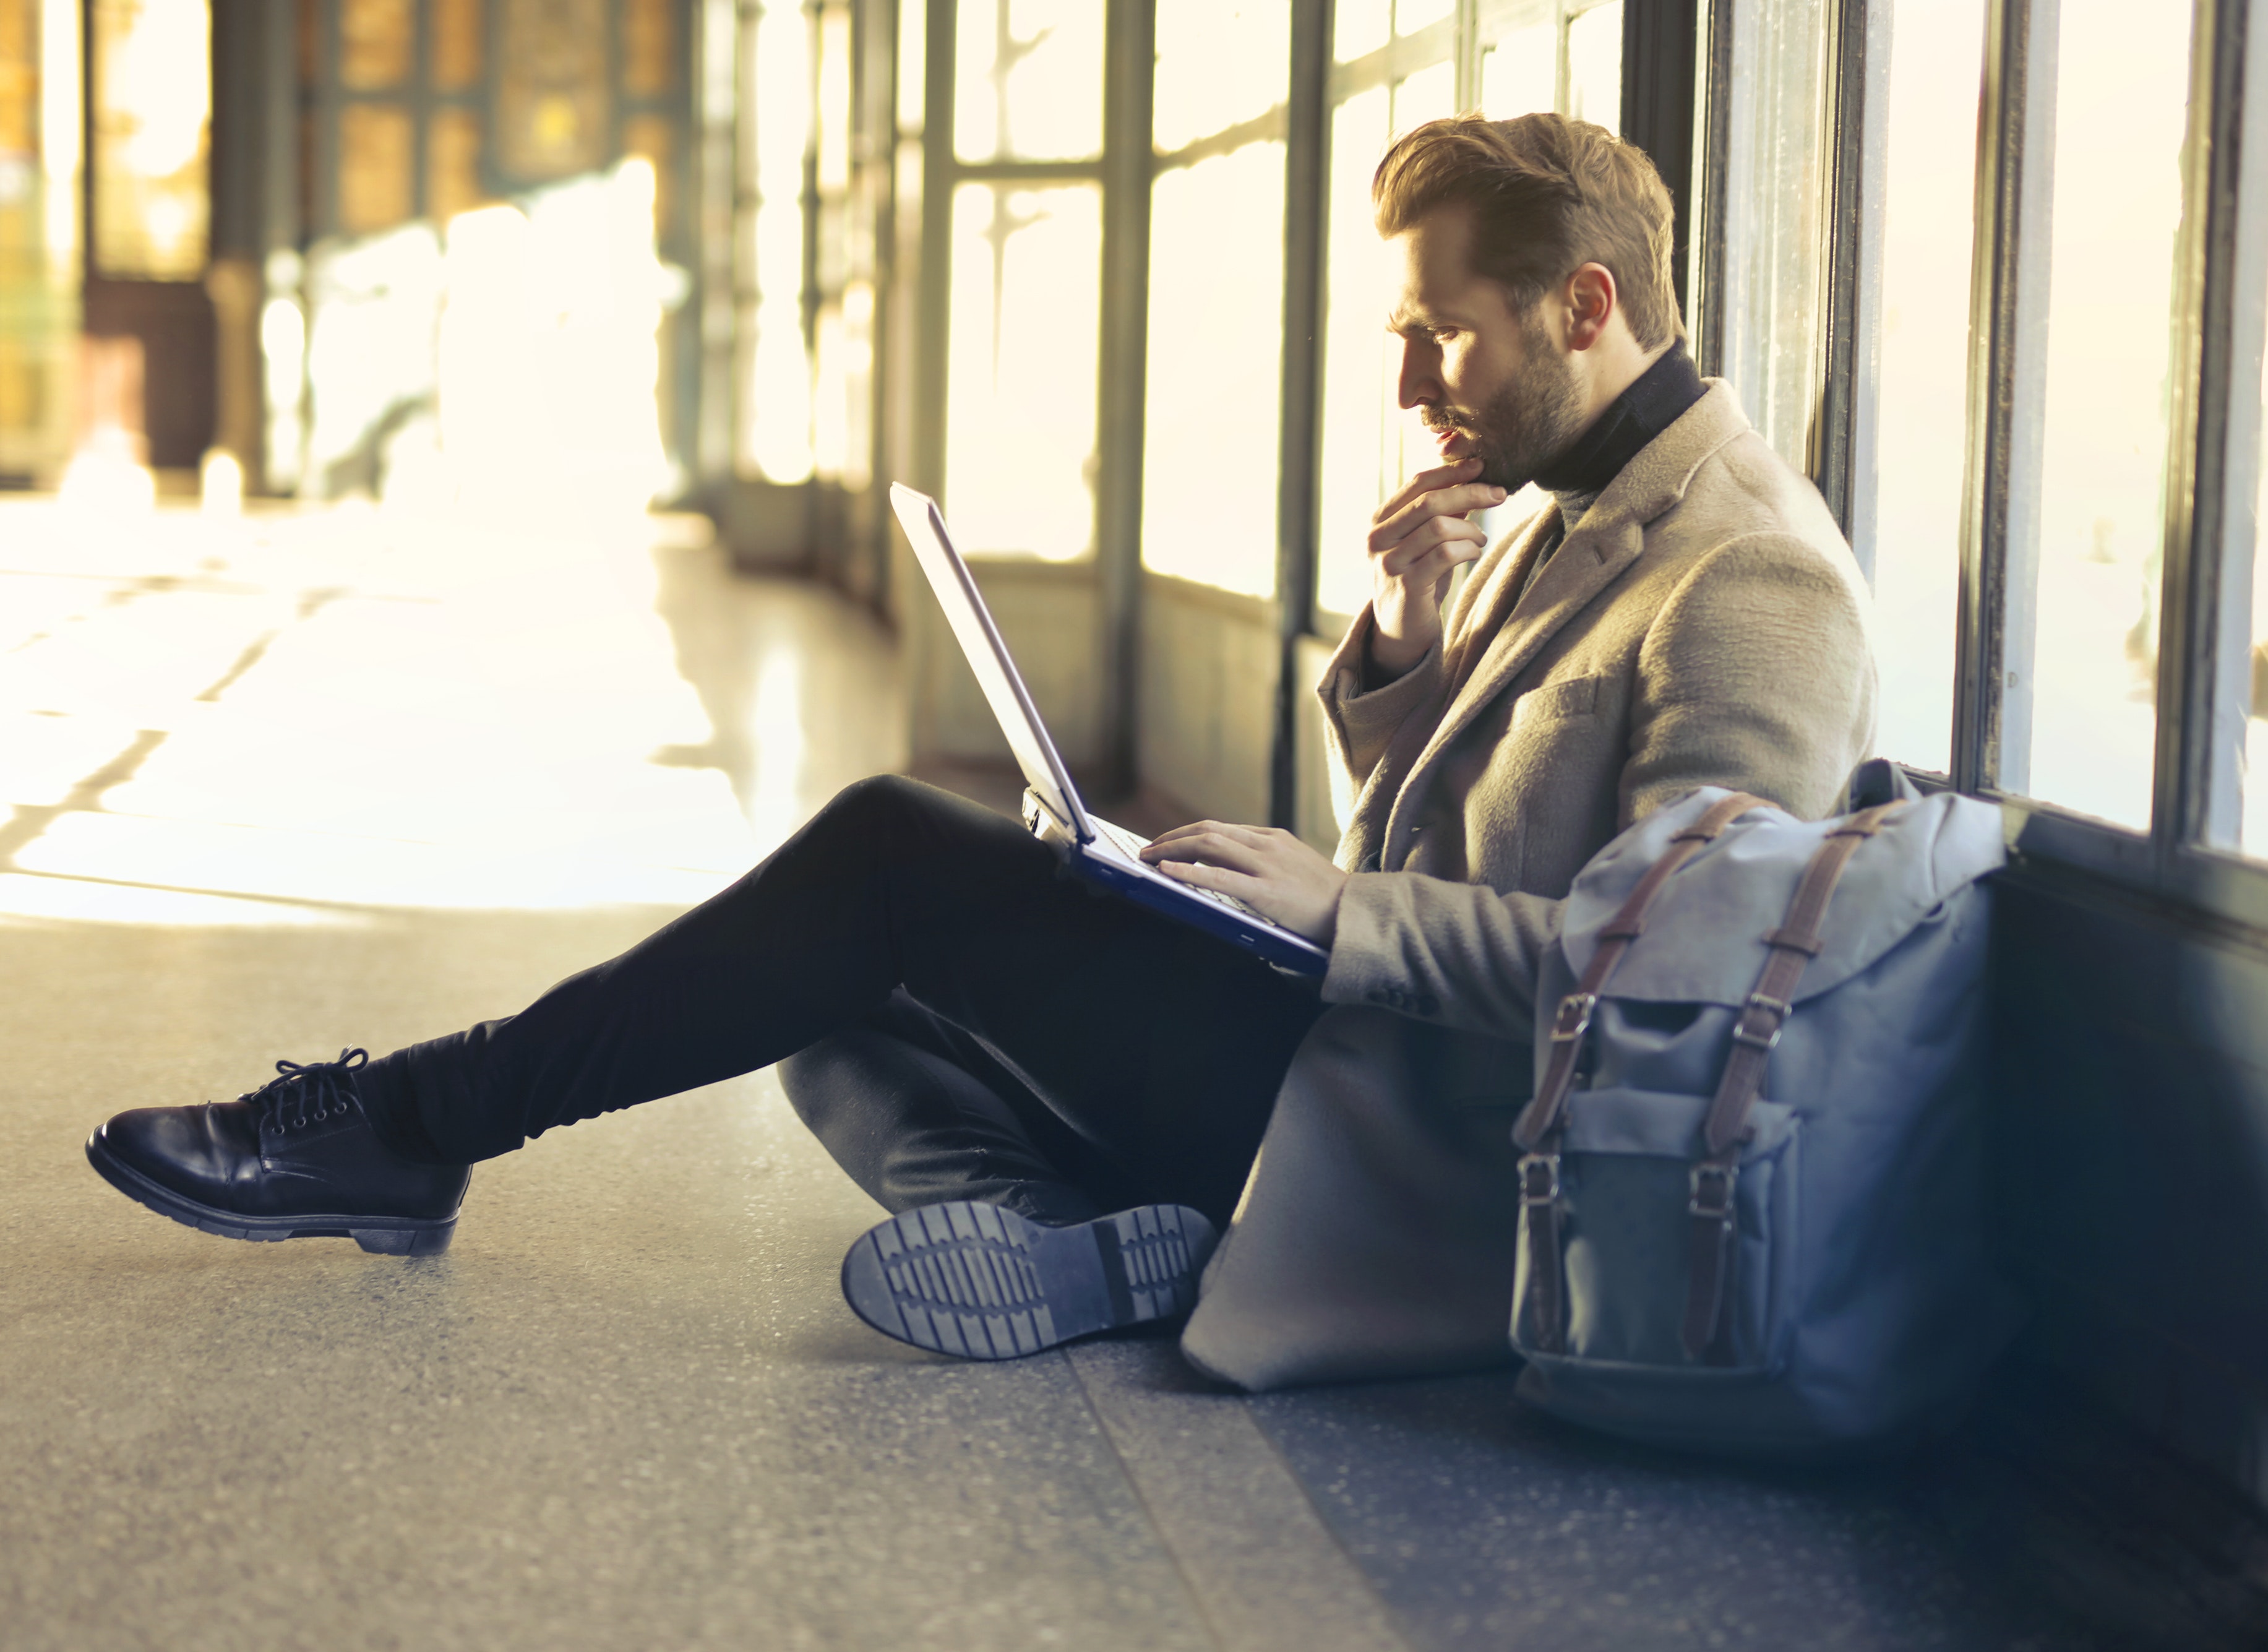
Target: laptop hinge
[{"x": 1044, "y": 824}]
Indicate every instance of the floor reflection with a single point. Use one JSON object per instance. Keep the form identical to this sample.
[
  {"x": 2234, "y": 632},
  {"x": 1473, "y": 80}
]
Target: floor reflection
[
  {"x": 303, "y": 715},
  {"x": 801, "y": 692}
]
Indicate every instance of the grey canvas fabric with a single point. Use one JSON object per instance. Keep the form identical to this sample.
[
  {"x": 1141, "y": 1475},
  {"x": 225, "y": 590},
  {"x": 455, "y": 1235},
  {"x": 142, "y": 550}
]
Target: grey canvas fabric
[
  {"x": 1704, "y": 624},
  {"x": 1863, "y": 1303}
]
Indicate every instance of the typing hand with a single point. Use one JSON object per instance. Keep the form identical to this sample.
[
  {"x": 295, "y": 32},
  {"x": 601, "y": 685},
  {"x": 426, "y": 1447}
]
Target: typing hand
[
  {"x": 1419, "y": 536},
  {"x": 1267, "y": 868}
]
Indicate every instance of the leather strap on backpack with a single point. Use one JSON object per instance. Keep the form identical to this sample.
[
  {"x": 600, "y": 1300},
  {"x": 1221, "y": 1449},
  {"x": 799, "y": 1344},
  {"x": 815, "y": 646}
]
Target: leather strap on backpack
[
  {"x": 1536, "y": 1132},
  {"x": 1716, "y": 1177}
]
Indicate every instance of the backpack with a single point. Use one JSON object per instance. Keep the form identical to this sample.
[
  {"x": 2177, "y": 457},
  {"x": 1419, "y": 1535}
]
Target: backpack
[{"x": 1752, "y": 1213}]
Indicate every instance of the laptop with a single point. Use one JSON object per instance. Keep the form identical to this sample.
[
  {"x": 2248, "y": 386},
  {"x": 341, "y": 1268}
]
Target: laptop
[{"x": 1098, "y": 851}]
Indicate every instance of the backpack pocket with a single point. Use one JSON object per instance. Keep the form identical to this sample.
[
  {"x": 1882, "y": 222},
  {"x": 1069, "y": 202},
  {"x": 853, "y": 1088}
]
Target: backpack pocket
[{"x": 1626, "y": 1162}]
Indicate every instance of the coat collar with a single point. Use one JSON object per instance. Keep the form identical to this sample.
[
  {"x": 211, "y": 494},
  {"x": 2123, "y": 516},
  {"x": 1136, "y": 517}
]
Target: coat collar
[{"x": 1495, "y": 631}]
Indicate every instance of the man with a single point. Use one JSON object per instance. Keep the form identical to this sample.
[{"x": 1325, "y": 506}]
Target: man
[{"x": 1002, "y": 1057}]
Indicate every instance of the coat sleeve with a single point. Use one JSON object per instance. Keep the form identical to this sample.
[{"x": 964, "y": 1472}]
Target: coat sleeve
[
  {"x": 1358, "y": 725},
  {"x": 1755, "y": 675}
]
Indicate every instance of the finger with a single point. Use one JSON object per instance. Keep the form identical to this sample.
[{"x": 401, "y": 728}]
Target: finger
[
  {"x": 1459, "y": 502},
  {"x": 1221, "y": 879},
  {"x": 1184, "y": 831},
  {"x": 1216, "y": 848},
  {"x": 1461, "y": 541},
  {"x": 1428, "y": 481}
]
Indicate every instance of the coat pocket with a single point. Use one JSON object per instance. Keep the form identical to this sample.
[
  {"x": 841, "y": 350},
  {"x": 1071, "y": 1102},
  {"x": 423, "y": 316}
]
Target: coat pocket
[
  {"x": 1575, "y": 697},
  {"x": 1625, "y": 1235}
]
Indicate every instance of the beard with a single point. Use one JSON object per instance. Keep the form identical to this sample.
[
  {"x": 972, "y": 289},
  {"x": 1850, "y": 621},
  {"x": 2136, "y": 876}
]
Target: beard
[{"x": 1526, "y": 427}]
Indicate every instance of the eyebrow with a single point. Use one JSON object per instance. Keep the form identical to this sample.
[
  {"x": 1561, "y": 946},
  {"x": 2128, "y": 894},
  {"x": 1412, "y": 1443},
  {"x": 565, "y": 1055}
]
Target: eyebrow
[{"x": 1403, "y": 322}]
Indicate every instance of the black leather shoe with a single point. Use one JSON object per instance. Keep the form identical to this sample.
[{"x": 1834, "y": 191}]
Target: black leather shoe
[
  {"x": 295, "y": 1159},
  {"x": 985, "y": 1283}
]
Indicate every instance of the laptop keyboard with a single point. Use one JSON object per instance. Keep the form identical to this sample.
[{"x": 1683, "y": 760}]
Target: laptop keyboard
[{"x": 1134, "y": 846}]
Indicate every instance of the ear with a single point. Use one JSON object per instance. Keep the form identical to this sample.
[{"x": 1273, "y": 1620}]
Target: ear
[{"x": 1592, "y": 301}]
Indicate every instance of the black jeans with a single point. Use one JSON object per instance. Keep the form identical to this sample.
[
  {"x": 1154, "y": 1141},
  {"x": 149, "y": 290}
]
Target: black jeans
[{"x": 959, "y": 1017}]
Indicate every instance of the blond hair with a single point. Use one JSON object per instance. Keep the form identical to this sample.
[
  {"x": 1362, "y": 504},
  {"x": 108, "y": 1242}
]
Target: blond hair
[{"x": 1547, "y": 194}]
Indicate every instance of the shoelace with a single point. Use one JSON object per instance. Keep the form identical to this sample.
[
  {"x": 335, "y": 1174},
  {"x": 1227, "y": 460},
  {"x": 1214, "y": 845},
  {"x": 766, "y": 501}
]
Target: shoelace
[{"x": 324, "y": 1086}]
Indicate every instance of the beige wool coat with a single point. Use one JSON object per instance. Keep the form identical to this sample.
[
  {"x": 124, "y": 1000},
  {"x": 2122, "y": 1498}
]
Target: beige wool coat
[{"x": 1702, "y": 624}]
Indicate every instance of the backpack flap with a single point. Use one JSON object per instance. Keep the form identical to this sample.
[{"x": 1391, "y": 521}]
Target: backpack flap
[{"x": 1705, "y": 929}]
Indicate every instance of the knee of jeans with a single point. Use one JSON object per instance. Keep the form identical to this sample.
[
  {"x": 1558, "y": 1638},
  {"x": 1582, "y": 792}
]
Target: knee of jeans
[
  {"x": 876, "y": 799},
  {"x": 803, "y": 1076}
]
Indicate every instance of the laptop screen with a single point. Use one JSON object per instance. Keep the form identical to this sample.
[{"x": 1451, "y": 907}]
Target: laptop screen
[{"x": 988, "y": 657}]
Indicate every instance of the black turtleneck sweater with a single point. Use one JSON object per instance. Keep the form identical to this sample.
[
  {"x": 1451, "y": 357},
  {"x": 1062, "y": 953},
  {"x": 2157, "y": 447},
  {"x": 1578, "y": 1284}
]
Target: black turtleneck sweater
[{"x": 1657, "y": 399}]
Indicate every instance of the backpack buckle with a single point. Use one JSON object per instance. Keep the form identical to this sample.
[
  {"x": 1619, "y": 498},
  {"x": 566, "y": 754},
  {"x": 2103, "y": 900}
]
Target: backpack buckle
[
  {"x": 1539, "y": 1178},
  {"x": 1574, "y": 1017},
  {"x": 1711, "y": 1188},
  {"x": 1776, "y": 1010}
]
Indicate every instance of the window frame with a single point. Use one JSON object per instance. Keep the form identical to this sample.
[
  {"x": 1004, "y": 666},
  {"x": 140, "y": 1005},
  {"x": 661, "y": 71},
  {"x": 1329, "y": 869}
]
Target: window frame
[{"x": 2220, "y": 313}]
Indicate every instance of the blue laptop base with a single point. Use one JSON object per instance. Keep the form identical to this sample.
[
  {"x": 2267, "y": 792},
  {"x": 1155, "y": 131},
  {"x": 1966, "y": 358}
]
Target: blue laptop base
[{"x": 1277, "y": 946}]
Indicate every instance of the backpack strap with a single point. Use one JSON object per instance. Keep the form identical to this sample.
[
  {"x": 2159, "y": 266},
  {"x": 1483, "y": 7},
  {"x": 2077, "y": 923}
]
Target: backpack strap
[
  {"x": 1754, "y": 1034},
  {"x": 1536, "y": 1132}
]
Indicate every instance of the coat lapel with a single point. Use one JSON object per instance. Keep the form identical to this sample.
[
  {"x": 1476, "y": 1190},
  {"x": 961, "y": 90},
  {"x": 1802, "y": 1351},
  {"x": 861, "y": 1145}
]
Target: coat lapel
[
  {"x": 1495, "y": 580},
  {"x": 1496, "y": 636},
  {"x": 1590, "y": 561}
]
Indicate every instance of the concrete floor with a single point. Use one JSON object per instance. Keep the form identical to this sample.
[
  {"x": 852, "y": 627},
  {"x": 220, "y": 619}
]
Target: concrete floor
[{"x": 283, "y": 785}]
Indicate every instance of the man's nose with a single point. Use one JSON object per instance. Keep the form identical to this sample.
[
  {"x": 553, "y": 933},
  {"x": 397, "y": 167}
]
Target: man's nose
[{"x": 1420, "y": 379}]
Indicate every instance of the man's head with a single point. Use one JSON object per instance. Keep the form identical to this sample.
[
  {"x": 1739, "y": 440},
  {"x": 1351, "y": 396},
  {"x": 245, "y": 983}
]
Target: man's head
[{"x": 1532, "y": 281}]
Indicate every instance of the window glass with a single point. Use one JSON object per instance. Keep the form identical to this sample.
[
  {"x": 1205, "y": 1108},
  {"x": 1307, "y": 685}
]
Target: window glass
[
  {"x": 1215, "y": 380},
  {"x": 1520, "y": 72},
  {"x": 1218, "y": 64},
  {"x": 1594, "y": 66},
  {"x": 1357, "y": 359},
  {"x": 776, "y": 395},
  {"x": 2121, "y": 109},
  {"x": 1409, "y": 15},
  {"x": 1026, "y": 333},
  {"x": 1937, "y": 65},
  {"x": 1774, "y": 206},
  {"x": 1427, "y": 95},
  {"x": 151, "y": 125},
  {"x": 1359, "y": 26},
  {"x": 1028, "y": 80}
]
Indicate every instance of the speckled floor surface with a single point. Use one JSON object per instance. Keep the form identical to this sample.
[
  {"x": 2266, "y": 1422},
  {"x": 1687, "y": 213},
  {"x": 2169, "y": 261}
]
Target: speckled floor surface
[{"x": 283, "y": 787}]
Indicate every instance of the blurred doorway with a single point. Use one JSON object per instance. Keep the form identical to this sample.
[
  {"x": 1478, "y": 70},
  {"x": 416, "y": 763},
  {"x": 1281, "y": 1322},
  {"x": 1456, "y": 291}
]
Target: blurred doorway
[{"x": 149, "y": 217}]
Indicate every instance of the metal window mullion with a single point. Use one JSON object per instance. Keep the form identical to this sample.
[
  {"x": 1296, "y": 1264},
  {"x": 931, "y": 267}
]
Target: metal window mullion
[
  {"x": 1858, "y": 89},
  {"x": 2205, "y": 641},
  {"x": 1396, "y": 61},
  {"x": 1034, "y": 173},
  {"x": 876, "y": 28},
  {"x": 1130, "y": 65},
  {"x": 1712, "y": 146},
  {"x": 1467, "y": 74},
  {"x": 1658, "y": 77},
  {"x": 807, "y": 202},
  {"x": 933, "y": 309},
  {"x": 2007, "y": 382},
  {"x": 1306, "y": 184},
  {"x": 1562, "y": 22},
  {"x": 1261, "y": 128}
]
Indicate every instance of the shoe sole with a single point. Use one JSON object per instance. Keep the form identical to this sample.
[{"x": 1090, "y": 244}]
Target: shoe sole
[
  {"x": 982, "y": 1282},
  {"x": 387, "y": 1235}
]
